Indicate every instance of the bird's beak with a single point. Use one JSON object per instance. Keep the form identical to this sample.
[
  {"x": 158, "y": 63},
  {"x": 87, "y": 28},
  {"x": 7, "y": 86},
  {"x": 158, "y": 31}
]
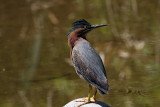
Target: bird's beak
[
  {"x": 91, "y": 27},
  {"x": 97, "y": 26}
]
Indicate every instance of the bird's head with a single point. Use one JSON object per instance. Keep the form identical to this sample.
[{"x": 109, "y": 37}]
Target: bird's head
[{"x": 84, "y": 27}]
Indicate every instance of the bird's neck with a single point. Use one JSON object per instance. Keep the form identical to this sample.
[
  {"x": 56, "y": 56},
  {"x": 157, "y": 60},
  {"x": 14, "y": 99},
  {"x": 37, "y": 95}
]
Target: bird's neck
[{"x": 73, "y": 38}]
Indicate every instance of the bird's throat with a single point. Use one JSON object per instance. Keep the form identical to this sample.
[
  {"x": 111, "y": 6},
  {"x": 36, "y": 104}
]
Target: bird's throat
[{"x": 71, "y": 41}]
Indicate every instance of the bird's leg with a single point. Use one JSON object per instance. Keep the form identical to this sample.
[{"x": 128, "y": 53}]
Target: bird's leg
[
  {"x": 89, "y": 93},
  {"x": 94, "y": 95},
  {"x": 87, "y": 98}
]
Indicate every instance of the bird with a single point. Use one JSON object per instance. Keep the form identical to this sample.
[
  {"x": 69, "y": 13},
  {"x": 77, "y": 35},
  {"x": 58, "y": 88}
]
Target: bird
[{"x": 85, "y": 59}]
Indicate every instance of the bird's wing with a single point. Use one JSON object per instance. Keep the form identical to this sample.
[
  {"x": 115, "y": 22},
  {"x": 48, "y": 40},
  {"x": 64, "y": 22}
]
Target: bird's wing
[{"x": 89, "y": 66}]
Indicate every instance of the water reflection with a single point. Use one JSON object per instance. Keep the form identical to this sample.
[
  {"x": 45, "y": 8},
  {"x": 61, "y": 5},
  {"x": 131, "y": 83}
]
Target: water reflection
[{"x": 34, "y": 69}]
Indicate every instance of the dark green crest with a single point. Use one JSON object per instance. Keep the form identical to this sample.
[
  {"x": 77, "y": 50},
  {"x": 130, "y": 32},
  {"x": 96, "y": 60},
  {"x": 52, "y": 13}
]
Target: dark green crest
[{"x": 78, "y": 24}]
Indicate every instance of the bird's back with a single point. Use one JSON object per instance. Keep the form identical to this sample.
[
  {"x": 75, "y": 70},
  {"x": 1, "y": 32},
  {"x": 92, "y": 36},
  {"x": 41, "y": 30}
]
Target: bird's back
[{"x": 89, "y": 66}]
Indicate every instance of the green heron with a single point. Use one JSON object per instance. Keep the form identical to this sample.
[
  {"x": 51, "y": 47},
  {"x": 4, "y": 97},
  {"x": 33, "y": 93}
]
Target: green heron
[{"x": 86, "y": 61}]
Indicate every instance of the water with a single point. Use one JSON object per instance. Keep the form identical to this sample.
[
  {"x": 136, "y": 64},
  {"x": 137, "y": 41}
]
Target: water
[{"x": 35, "y": 68}]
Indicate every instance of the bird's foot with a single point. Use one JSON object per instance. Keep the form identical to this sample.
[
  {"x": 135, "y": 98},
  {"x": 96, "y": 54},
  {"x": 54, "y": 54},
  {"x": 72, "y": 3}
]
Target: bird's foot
[
  {"x": 86, "y": 101},
  {"x": 83, "y": 100},
  {"x": 92, "y": 99}
]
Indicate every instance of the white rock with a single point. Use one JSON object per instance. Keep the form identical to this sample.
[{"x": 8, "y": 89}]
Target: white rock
[{"x": 77, "y": 102}]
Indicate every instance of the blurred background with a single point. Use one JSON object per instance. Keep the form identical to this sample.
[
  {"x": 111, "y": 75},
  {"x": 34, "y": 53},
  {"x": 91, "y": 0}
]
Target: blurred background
[{"x": 35, "y": 69}]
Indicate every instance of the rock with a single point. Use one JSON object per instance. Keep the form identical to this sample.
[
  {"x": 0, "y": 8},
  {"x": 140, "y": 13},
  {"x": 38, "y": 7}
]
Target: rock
[{"x": 79, "y": 101}]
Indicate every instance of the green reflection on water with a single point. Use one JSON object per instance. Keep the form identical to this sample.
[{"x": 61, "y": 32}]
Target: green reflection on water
[{"x": 34, "y": 50}]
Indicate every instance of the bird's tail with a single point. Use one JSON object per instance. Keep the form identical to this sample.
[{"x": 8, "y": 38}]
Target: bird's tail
[{"x": 104, "y": 89}]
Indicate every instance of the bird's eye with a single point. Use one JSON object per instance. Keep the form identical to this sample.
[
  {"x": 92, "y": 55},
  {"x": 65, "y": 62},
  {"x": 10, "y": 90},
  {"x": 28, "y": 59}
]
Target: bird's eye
[{"x": 86, "y": 27}]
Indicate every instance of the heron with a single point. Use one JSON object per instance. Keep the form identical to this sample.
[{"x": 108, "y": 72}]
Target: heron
[{"x": 86, "y": 61}]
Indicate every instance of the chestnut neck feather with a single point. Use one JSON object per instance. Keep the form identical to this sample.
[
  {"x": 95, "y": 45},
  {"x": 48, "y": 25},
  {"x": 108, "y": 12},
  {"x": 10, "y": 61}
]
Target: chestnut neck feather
[{"x": 75, "y": 36}]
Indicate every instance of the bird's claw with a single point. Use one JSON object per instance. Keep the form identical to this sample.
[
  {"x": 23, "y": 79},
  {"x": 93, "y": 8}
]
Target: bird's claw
[{"x": 86, "y": 101}]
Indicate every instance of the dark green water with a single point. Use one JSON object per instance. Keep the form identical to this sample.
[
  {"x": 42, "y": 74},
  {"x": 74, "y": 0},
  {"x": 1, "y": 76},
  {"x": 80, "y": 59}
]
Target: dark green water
[{"x": 34, "y": 54}]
